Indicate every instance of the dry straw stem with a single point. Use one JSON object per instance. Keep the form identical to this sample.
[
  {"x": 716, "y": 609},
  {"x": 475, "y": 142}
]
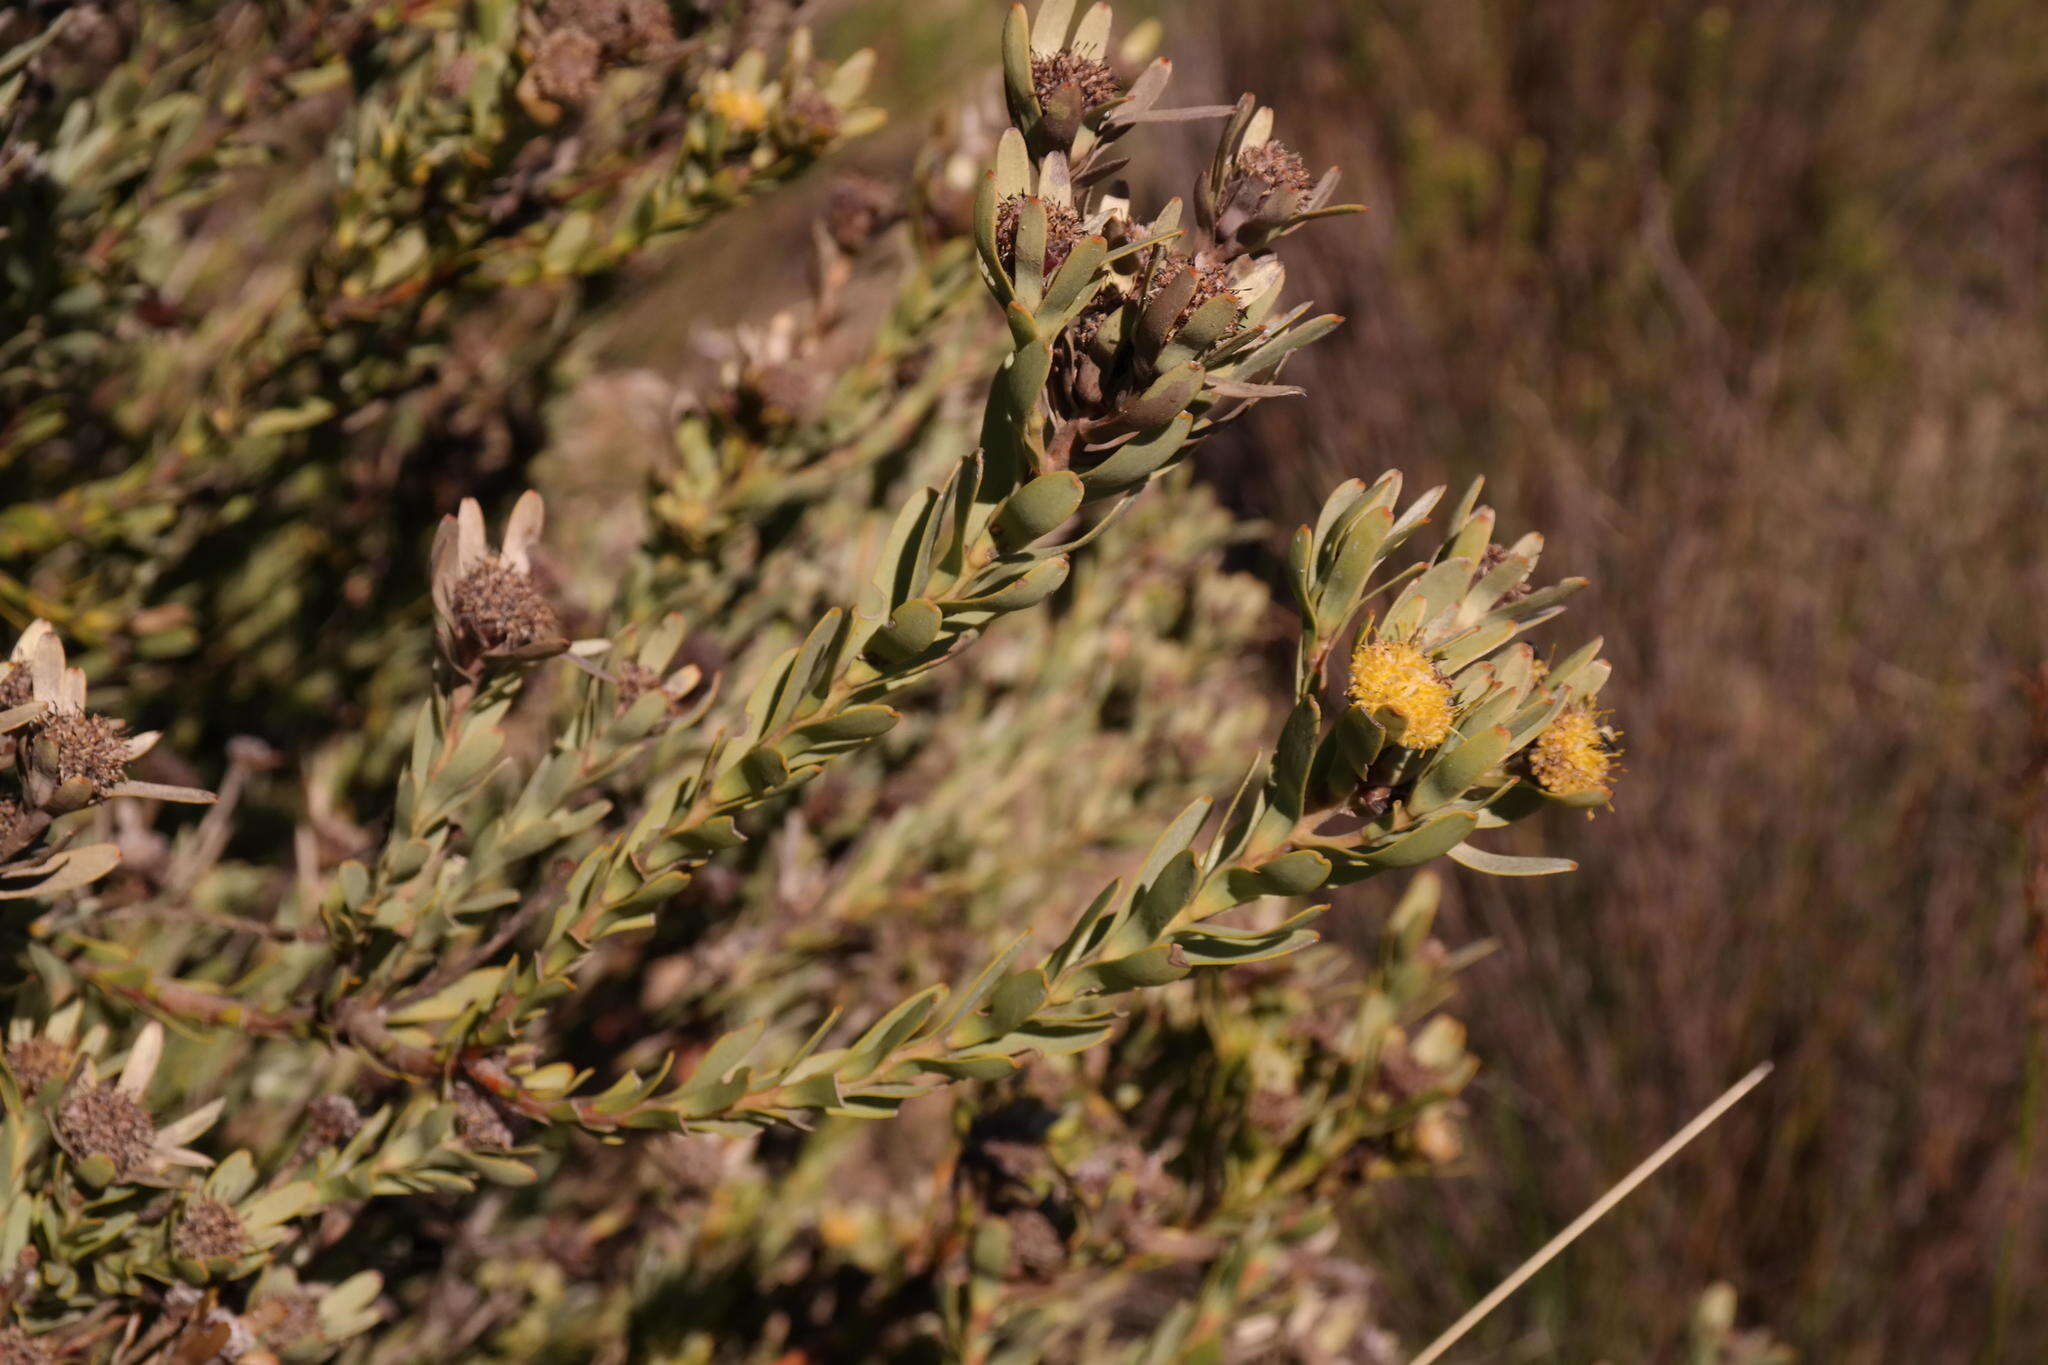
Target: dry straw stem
[{"x": 1600, "y": 1208}]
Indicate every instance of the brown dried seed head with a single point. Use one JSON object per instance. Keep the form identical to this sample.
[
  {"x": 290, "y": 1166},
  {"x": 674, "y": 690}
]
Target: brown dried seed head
[
  {"x": 776, "y": 394},
  {"x": 1275, "y": 1112},
  {"x": 93, "y": 40},
  {"x": 1276, "y": 164},
  {"x": 291, "y": 1319},
  {"x": 19, "y": 1348},
  {"x": 330, "y": 1121},
  {"x": 208, "y": 1230},
  {"x": 858, "y": 209},
  {"x": 623, "y": 29},
  {"x": 1401, "y": 1072},
  {"x": 88, "y": 745},
  {"x": 1037, "y": 1251},
  {"x": 566, "y": 67},
  {"x": 36, "y": 1061},
  {"x": 634, "y": 682},
  {"x": 99, "y": 1120},
  {"x": 1494, "y": 557},
  {"x": 1050, "y": 71},
  {"x": 478, "y": 1121},
  {"x": 1062, "y": 230},
  {"x": 500, "y": 607},
  {"x": 697, "y": 1161},
  {"x": 15, "y": 688},
  {"x": 452, "y": 81},
  {"x": 1211, "y": 282},
  {"x": 1082, "y": 331},
  {"x": 812, "y": 117},
  {"x": 12, "y": 813}
]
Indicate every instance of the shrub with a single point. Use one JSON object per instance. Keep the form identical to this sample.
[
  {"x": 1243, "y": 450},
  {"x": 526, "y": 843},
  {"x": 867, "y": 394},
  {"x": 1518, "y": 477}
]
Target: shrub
[{"x": 534, "y": 1014}]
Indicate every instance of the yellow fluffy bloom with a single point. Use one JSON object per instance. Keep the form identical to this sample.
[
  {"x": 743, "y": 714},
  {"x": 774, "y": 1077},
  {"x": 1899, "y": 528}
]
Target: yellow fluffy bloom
[
  {"x": 1387, "y": 675},
  {"x": 1576, "y": 753},
  {"x": 738, "y": 107}
]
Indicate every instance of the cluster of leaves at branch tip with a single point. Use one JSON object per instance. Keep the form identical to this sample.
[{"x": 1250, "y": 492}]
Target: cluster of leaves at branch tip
[
  {"x": 497, "y": 874},
  {"x": 67, "y": 759}
]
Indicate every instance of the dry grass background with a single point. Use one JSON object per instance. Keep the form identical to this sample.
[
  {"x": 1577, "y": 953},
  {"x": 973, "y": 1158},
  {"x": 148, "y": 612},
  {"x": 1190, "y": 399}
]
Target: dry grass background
[{"x": 1746, "y": 306}]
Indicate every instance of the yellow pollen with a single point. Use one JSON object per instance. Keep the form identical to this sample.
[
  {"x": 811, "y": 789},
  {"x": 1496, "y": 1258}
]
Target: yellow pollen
[
  {"x": 1387, "y": 675},
  {"x": 741, "y": 108},
  {"x": 1576, "y": 753}
]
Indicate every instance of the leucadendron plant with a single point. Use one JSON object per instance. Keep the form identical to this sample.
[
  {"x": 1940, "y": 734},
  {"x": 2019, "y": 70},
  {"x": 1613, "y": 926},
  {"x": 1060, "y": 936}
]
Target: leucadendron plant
[
  {"x": 284, "y": 278},
  {"x": 873, "y": 779}
]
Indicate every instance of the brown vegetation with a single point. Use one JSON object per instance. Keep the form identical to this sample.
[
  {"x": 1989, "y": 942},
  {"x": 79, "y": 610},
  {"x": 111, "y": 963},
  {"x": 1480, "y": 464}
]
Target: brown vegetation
[{"x": 1744, "y": 304}]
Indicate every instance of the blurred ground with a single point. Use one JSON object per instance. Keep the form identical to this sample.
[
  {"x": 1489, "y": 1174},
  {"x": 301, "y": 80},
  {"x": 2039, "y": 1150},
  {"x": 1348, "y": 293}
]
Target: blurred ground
[{"x": 1745, "y": 307}]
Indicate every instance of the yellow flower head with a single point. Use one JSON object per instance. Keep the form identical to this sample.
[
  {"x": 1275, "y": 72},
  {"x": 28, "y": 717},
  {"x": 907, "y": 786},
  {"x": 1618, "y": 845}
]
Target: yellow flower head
[
  {"x": 743, "y": 109},
  {"x": 1388, "y": 675},
  {"x": 1577, "y": 753}
]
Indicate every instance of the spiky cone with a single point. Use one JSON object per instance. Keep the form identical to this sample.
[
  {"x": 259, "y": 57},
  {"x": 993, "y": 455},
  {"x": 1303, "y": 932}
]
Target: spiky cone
[
  {"x": 1257, "y": 189},
  {"x": 487, "y": 607},
  {"x": 67, "y": 757}
]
